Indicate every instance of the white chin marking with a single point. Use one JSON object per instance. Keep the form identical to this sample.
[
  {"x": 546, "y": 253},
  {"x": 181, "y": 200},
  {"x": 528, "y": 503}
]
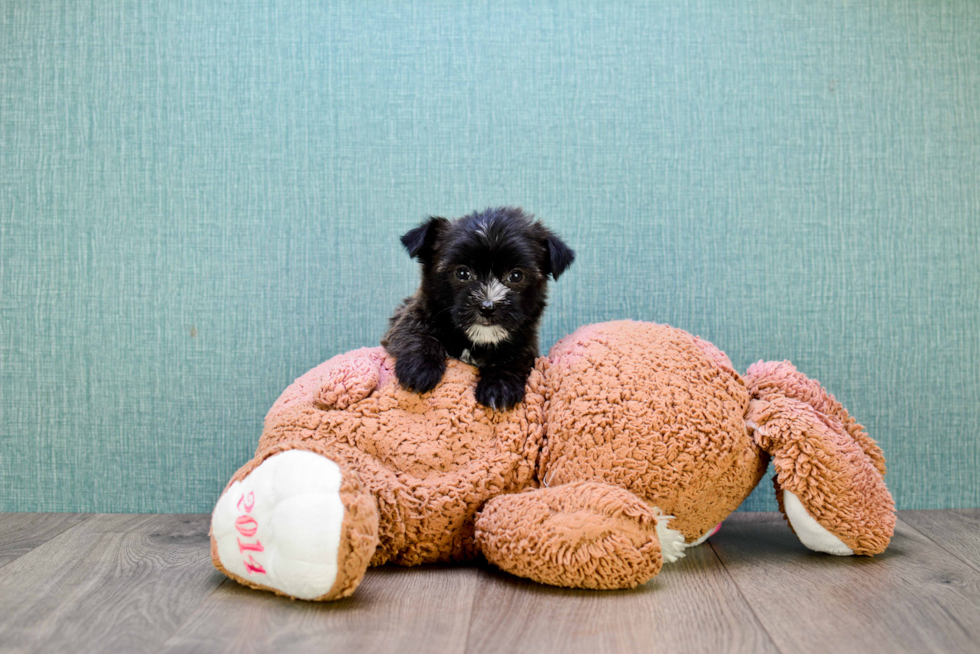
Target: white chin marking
[
  {"x": 486, "y": 334},
  {"x": 810, "y": 532}
]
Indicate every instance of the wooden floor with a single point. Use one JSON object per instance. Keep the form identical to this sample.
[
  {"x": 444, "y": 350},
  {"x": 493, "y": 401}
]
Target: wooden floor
[{"x": 144, "y": 583}]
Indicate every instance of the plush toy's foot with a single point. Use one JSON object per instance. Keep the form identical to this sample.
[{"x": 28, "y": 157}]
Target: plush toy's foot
[
  {"x": 829, "y": 474},
  {"x": 810, "y": 532},
  {"x": 296, "y": 524},
  {"x": 579, "y": 535}
]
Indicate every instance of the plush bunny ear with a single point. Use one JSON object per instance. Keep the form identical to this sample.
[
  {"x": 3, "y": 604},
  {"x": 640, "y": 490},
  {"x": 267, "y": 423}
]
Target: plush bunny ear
[
  {"x": 420, "y": 241},
  {"x": 560, "y": 256}
]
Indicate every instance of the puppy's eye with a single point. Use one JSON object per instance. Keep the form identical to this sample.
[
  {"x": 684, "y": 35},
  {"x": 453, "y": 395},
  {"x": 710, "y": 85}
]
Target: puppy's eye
[
  {"x": 463, "y": 274},
  {"x": 515, "y": 277}
]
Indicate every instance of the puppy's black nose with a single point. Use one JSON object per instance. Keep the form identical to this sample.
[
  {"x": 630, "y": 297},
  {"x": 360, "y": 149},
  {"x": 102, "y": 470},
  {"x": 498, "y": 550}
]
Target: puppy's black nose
[{"x": 487, "y": 308}]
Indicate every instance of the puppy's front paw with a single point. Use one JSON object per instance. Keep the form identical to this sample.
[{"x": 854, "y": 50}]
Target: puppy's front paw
[
  {"x": 499, "y": 393},
  {"x": 419, "y": 374}
]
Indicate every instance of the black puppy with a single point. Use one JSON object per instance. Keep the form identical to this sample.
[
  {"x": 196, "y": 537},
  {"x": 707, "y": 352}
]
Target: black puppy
[{"x": 484, "y": 287}]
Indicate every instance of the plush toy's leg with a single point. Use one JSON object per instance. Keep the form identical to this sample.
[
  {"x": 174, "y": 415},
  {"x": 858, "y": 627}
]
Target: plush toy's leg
[
  {"x": 579, "y": 535},
  {"x": 829, "y": 474},
  {"x": 294, "y": 522}
]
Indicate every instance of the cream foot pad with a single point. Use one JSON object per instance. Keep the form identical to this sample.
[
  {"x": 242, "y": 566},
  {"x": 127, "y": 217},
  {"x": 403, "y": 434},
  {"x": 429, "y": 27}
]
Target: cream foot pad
[
  {"x": 810, "y": 532},
  {"x": 280, "y": 527}
]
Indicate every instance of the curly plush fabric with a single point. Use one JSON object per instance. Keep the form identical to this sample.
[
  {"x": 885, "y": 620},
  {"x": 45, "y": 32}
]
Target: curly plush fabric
[
  {"x": 429, "y": 460},
  {"x": 581, "y": 535},
  {"x": 653, "y": 410},
  {"x": 625, "y": 425},
  {"x": 766, "y": 378},
  {"x": 821, "y": 455}
]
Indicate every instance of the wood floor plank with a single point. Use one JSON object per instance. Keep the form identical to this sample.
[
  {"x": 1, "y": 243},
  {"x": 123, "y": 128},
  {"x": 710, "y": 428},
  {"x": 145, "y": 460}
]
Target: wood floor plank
[
  {"x": 957, "y": 531},
  {"x": 404, "y": 610},
  {"x": 22, "y": 532},
  {"x": 131, "y": 583},
  {"x": 691, "y": 606},
  {"x": 915, "y": 597},
  {"x": 113, "y": 583}
]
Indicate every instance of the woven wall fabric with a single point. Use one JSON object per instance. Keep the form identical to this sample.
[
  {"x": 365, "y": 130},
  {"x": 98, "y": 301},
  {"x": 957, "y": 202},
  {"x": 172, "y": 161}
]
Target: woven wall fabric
[{"x": 201, "y": 200}]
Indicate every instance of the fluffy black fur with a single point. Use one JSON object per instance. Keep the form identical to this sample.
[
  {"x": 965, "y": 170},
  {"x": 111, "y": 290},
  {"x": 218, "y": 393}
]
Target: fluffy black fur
[{"x": 484, "y": 288}]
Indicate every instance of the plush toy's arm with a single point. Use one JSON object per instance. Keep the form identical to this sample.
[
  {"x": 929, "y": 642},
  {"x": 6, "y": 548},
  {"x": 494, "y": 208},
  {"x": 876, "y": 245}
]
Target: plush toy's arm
[
  {"x": 829, "y": 474},
  {"x": 336, "y": 384},
  {"x": 351, "y": 379},
  {"x": 585, "y": 534}
]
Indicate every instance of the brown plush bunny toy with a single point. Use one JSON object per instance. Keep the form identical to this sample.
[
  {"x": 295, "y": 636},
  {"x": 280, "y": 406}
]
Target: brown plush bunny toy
[{"x": 634, "y": 441}]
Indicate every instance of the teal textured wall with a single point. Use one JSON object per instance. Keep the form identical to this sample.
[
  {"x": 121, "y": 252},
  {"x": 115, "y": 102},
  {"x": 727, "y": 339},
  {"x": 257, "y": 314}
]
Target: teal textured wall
[{"x": 201, "y": 200}]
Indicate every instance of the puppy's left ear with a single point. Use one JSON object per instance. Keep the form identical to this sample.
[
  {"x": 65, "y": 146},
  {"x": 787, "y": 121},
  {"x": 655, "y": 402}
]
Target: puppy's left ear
[
  {"x": 420, "y": 242},
  {"x": 560, "y": 256}
]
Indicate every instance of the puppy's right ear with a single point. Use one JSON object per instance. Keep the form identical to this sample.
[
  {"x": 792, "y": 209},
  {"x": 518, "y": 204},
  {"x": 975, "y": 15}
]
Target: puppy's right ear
[{"x": 421, "y": 241}]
